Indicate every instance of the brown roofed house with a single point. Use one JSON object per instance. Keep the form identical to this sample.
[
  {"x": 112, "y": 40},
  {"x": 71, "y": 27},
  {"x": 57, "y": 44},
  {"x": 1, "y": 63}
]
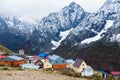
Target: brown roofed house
[{"x": 79, "y": 65}]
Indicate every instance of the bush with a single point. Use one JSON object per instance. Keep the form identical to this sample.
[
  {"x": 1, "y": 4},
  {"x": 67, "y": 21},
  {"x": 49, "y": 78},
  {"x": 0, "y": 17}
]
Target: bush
[
  {"x": 70, "y": 72},
  {"x": 49, "y": 70},
  {"x": 5, "y": 68},
  {"x": 2, "y": 65},
  {"x": 20, "y": 69},
  {"x": 9, "y": 74}
]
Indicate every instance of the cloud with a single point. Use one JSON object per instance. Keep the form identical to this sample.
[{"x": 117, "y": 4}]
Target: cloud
[{"x": 40, "y": 8}]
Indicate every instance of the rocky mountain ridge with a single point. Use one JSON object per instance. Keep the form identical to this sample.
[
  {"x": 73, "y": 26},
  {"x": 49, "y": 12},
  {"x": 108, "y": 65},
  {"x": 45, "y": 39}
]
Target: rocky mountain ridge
[{"x": 46, "y": 35}]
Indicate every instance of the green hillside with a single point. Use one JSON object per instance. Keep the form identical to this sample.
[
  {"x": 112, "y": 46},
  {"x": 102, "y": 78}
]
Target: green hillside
[{"x": 5, "y": 50}]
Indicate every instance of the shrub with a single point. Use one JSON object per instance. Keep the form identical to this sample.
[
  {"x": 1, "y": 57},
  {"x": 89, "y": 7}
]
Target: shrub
[
  {"x": 9, "y": 74},
  {"x": 70, "y": 72},
  {"x": 5, "y": 68},
  {"x": 20, "y": 69},
  {"x": 2, "y": 65}
]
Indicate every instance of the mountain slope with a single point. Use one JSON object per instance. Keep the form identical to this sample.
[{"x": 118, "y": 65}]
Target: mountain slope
[
  {"x": 51, "y": 26},
  {"x": 95, "y": 54},
  {"x": 77, "y": 25},
  {"x": 96, "y": 24},
  {"x": 97, "y": 38},
  {"x": 36, "y": 36},
  {"x": 5, "y": 50}
]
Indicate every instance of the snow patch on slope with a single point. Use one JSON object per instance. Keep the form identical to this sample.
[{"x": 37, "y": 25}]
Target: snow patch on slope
[
  {"x": 99, "y": 35},
  {"x": 63, "y": 34},
  {"x": 115, "y": 38},
  {"x": 10, "y": 23}
]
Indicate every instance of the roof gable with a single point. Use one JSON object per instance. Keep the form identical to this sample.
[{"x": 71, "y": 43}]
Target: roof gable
[{"x": 78, "y": 62}]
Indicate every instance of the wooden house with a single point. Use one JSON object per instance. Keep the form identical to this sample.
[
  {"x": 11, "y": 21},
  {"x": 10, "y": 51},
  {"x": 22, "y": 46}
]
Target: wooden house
[
  {"x": 38, "y": 62},
  {"x": 57, "y": 62},
  {"x": 12, "y": 61},
  {"x": 29, "y": 59},
  {"x": 46, "y": 63},
  {"x": 79, "y": 65}
]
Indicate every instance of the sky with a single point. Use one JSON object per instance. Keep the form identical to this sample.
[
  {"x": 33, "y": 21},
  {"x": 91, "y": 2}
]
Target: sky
[{"x": 40, "y": 8}]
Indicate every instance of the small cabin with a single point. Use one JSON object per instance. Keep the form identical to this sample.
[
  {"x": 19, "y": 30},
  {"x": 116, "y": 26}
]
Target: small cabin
[
  {"x": 21, "y": 52},
  {"x": 38, "y": 62},
  {"x": 79, "y": 65},
  {"x": 57, "y": 62},
  {"x": 12, "y": 61},
  {"x": 46, "y": 63}
]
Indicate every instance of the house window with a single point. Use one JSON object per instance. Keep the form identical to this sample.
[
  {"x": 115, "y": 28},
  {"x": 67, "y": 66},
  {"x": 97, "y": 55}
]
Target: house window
[
  {"x": 56, "y": 61},
  {"x": 63, "y": 61},
  {"x": 83, "y": 64}
]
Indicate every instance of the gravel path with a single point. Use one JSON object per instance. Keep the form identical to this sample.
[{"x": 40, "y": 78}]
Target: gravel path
[{"x": 33, "y": 75}]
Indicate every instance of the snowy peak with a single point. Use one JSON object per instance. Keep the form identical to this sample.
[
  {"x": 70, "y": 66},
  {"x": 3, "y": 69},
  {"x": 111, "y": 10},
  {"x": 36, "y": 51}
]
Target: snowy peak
[
  {"x": 20, "y": 24},
  {"x": 52, "y": 27},
  {"x": 73, "y": 5},
  {"x": 111, "y": 8},
  {"x": 96, "y": 26},
  {"x": 70, "y": 26},
  {"x": 109, "y": 4}
]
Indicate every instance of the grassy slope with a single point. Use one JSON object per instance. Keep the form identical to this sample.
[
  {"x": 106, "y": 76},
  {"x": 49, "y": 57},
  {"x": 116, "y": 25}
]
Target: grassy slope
[{"x": 4, "y": 49}]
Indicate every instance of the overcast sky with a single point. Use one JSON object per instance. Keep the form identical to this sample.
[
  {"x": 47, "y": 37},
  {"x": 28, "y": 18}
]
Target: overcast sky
[{"x": 40, "y": 8}]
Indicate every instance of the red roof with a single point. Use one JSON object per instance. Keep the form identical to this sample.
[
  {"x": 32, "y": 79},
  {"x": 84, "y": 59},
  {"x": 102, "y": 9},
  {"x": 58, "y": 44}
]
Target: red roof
[
  {"x": 116, "y": 72},
  {"x": 2, "y": 57}
]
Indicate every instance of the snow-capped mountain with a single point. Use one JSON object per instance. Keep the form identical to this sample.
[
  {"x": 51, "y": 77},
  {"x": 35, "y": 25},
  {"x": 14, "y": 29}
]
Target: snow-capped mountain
[
  {"x": 39, "y": 35},
  {"x": 96, "y": 39},
  {"x": 21, "y": 24},
  {"x": 48, "y": 35},
  {"x": 97, "y": 25},
  {"x": 71, "y": 26}
]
